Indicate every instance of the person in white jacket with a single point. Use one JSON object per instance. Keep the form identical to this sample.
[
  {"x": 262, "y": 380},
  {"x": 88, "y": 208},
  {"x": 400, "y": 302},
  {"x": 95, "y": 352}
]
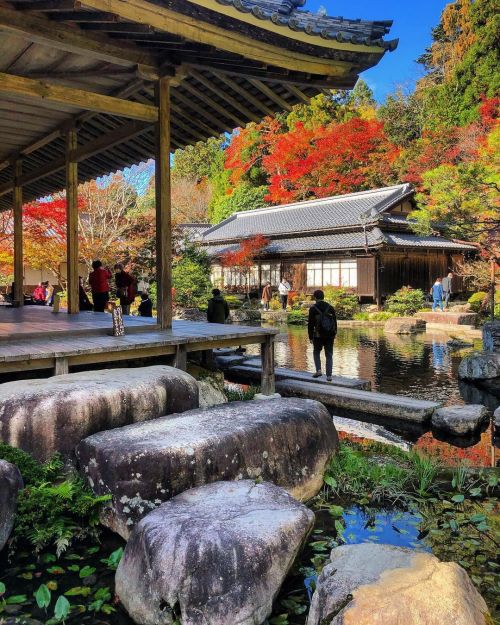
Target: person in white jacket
[{"x": 284, "y": 288}]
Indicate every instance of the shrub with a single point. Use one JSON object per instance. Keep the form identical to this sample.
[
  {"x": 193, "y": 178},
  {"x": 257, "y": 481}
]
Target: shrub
[
  {"x": 375, "y": 316},
  {"x": 191, "y": 282},
  {"x": 346, "y": 304},
  {"x": 275, "y": 303},
  {"x": 233, "y": 301},
  {"x": 477, "y": 300},
  {"x": 52, "y": 508},
  {"x": 297, "y": 317},
  {"x": 406, "y": 301}
]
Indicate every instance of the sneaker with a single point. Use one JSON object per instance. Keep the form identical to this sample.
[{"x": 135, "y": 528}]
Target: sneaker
[
  {"x": 329, "y": 378},
  {"x": 318, "y": 374}
]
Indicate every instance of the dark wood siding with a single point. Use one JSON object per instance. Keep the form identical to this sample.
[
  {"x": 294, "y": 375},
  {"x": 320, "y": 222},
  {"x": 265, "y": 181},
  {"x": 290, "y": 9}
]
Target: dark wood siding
[
  {"x": 416, "y": 269},
  {"x": 296, "y": 272},
  {"x": 366, "y": 276}
]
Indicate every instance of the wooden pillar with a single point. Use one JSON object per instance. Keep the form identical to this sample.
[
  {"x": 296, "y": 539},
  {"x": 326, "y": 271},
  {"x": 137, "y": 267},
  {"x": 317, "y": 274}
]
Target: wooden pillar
[
  {"x": 267, "y": 359},
  {"x": 163, "y": 206},
  {"x": 18, "y": 294},
  {"x": 72, "y": 222}
]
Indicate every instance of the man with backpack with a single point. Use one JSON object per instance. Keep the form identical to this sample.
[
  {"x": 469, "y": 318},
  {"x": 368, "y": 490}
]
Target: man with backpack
[{"x": 322, "y": 328}]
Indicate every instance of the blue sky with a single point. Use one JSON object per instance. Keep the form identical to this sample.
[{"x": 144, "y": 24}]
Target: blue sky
[{"x": 413, "y": 22}]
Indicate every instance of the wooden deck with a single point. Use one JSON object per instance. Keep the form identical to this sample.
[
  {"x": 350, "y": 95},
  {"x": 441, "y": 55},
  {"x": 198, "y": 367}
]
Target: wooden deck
[{"x": 35, "y": 338}]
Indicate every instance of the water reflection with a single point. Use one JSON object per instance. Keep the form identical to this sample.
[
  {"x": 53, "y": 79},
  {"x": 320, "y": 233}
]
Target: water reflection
[{"x": 422, "y": 366}]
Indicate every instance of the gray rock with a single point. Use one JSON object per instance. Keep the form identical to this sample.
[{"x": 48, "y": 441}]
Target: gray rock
[
  {"x": 244, "y": 315},
  {"x": 211, "y": 389},
  {"x": 491, "y": 337},
  {"x": 457, "y": 343},
  {"x": 496, "y": 418},
  {"x": 480, "y": 366},
  {"x": 404, "y": 325},
  {"x": 217, "y": 555},
  {"x": 53, "y": 415},
  {"x": 11, "y": 483},
  {"x": 460, "y": 420},
  {"x": 189, "y": 314},
  {"x": 284, "y": 441},
  {"x": 369, "y": 584}
]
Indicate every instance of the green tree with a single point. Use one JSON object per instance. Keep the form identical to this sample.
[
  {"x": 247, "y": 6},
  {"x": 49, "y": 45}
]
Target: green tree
[
  {"x": 191, "y": 277},
  {"x": 403, "y": 118},
  {"x": 243, "y": 198},
  {"x": 201, "y": 160}
]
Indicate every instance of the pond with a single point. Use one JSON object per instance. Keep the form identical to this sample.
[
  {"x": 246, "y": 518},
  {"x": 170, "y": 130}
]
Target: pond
[{"x": 422, "y": 366}]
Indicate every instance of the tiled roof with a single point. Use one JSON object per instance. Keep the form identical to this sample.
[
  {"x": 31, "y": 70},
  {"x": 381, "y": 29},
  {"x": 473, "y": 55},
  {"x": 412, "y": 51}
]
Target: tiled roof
[
  {"x": 192, "y": 231},
  {"x": 289, "y": 13},
  {"x": 413, "y": 240},
  {"x": 347, "y": 241},
  {"x": 312, "y": 215}
]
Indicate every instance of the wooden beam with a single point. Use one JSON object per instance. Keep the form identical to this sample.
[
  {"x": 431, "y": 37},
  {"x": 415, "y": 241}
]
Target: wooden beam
[
  {"x": 232, "y": 84},
  {"x": 274, "y": 97},
  {"x": 166, "y": 20},
  {"x": 18, "y": 236},
  {"x": 39, "y": 29},
  {"x": 68, "y": 96},
  {"x": 213, "y": 104},
  {"x": 226, "y": 96},
  {"x": 47, "y": 6},
  {"x": 163, "y": 206},
  {"x": 72, "y": 223}
]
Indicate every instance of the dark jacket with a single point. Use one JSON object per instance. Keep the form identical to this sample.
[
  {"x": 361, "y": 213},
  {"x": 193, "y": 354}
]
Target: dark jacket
[
  {"x": 218, "y": 310},
  {"x": 146, "y": 308},
  {"x": 314, "y": 317}
]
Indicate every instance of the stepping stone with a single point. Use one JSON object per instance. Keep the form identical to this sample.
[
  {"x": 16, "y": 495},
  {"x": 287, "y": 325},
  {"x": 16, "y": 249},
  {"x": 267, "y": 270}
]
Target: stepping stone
[
  {"x": 214, "y": 555},
  {"x": 369, "y": 584},
  {"x": 284, "y": 441},
  {"x": 460, "y": 420},
  {"x": 398, "y": 406},
  {"x": 53, "y": 415}
]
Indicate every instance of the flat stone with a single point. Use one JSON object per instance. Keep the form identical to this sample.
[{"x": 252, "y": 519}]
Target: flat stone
[
  {"x": 355, "y": 400},
  {"x": 53, "y": 415},
  {"x": 404, "y": 325},
  {"x": 244, "y": 315},
  {"x": 449, "y": 318},
  {"x": 284, "y": 441},
  {"x": 480, "y": 366},
  {"x": 460, "y": 420},
  {"x": 11, "y": 483},
  {"x": 369, "y": 584},
  {"x": 458, "y": 343},
  {"x": 217, "y": 555}
]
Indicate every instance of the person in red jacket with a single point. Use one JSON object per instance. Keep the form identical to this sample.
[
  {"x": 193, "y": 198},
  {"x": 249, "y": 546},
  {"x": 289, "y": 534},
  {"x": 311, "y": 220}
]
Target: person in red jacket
[
  {"x": 99, "y": 285},
  {"x": 125, "y": 288}
]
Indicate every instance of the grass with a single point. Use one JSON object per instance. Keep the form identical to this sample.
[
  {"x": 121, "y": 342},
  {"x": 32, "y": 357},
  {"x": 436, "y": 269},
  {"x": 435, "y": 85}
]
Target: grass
[{"x": 234, "y": 393}]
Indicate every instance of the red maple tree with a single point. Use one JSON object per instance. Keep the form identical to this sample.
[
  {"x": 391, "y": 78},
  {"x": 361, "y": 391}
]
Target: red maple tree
[{"x": 243, "y": 258}]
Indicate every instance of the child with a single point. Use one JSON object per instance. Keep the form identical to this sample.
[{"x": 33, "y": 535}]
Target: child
[{"x": 437, "y": 295}]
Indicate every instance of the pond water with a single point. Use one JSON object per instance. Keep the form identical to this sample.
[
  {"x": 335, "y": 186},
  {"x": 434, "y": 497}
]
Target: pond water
[{"x": 422, "y": 366}]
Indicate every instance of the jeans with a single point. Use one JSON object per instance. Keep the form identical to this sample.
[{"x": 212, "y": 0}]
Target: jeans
[
  {"x": 327, "y": 345},
  {"x": 436, "y": 303},
  {"x": 284, "y": 301},
  {"x": 447, "y": 296},
  {"x": 100, "y": 301}
]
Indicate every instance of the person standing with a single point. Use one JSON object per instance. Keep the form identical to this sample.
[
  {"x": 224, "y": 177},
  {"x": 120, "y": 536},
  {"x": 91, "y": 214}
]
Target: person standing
[
  {"x": 99, "y": 284},
  {"x": 284, "y": 288},
  {"x": 322, "y": 329},
  {"x": 447, "y": 283},
  {"x": 267, "y": 295},
  {"x": 83, "y": 300},
  {"x": 218, "y": 309},
  {"x": 437, "y": 295},
  {"x": 125, "y": 288},
  {"x": 39, "y": 295},
  {"x": 146, "y": 306}
]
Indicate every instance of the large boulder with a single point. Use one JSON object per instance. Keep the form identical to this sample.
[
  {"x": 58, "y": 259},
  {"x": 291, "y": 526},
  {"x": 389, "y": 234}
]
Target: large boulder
[
  {"x": 371, "y": 584},
  {"x": 480, "y": 366},
  {"x": 53, "y": 415},
  {"x": 460, "y": 420},
  {"x": 404, "y": 325},
  {"x": 214, "y": 555},
  {"x": 284, "y": 441},
  {"x": 11, "y": 483}
]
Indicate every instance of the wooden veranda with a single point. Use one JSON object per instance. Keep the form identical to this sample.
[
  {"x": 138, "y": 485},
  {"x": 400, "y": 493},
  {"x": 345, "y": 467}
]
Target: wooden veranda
[{"x": 92, "y": 86}]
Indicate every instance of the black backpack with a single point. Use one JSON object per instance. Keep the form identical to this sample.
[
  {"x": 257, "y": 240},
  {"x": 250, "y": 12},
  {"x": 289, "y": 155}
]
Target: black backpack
[{"x": 326, "y": 325}]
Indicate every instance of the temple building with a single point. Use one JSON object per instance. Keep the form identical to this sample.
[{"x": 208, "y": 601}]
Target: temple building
[{"x": 361, "y": 241}]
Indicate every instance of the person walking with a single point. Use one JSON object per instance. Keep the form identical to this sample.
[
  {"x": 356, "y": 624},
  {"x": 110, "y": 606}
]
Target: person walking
[
  {"x": 447, "y": 284},
  {"x": 218, "y": 309},
  {"x": 125, "y": 288},
  {"x": 322, "y": 329},
  {"x": 146, "y": 306},
  {"x": 99, "y": 284},
  {"x": 267, "y": 295},
  {"x": 284, "y": 288},
  {"x": 437, "y": 295}
]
